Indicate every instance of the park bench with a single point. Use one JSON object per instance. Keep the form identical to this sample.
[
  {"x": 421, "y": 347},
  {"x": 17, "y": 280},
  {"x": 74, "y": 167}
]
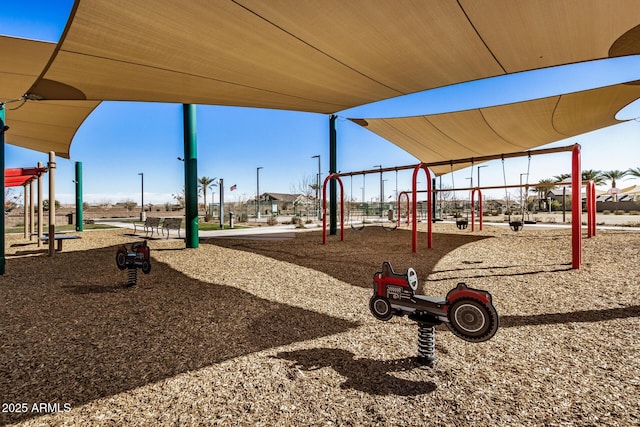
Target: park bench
[
  {"x": 148, "y": 225},
  {"x": 171, "y": 224},
  {"x": 59, "y": 238}
]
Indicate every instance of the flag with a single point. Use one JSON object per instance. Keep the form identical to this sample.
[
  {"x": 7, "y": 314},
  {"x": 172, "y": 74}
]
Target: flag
[{"x": 233, "y": 187}]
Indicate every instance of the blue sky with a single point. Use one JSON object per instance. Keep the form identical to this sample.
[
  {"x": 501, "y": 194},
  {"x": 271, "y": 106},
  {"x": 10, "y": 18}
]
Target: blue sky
[{"x": 121, "y": 139}]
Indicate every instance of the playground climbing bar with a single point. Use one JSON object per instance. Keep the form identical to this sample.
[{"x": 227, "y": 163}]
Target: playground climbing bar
[{"x": 414, "y": 205}]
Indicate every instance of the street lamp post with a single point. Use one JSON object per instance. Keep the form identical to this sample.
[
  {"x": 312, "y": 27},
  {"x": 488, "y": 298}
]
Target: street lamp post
[
  {"x": 142, "y": 214},
  {"x": 381, "y": 189},
  {"x": 258, "y": 192},
  {"x": 318, "y": 177}
]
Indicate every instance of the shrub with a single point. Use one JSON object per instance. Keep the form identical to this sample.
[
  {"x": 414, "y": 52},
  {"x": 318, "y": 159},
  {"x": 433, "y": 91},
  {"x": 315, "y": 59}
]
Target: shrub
[
  {"x": 619, "y": 212},
  {"x": 272, "y": 220},
  {"x": 634, "y": 213},
  {"x": 606, "y": 212}
]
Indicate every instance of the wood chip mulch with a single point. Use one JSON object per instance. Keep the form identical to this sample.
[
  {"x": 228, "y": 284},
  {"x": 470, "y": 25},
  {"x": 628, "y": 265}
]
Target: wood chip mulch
[{"x": 278, "y": 332}]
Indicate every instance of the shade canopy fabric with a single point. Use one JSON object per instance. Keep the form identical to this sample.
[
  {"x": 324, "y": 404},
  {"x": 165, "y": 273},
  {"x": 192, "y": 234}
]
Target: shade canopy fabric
[
  {"x": 505, "y": 128},
  {"x": 319, "y": 56},
  {"x": 314, "y": 56},
  {"x": 17, "y": 177},
  {"x": 44, "y": 125}
]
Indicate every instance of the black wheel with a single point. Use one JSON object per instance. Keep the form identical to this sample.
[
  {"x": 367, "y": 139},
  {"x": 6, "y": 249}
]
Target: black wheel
[
  {"x": 380, "y": 308},
  {"x": 146, "y": 267},
  {"x": 121, "y": 258},
  {"x": 472, "y": 320}
]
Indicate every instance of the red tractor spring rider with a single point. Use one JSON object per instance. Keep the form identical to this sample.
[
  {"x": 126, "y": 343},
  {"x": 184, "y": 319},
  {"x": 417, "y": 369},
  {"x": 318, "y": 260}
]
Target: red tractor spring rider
[
  {"x": 467, "y": 312},
  {"x": 139, "y": 257}
]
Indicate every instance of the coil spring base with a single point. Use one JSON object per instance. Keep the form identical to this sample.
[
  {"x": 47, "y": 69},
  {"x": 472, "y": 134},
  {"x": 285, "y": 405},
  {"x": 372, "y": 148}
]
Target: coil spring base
[
  {"x": 132, "y": 276},
  {"x": 426, "y": 345}
]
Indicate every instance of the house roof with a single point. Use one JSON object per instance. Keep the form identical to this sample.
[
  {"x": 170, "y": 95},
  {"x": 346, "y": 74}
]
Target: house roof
[
  {"x": 281, "y": 197},
  {"x": 309, "y": 56}
]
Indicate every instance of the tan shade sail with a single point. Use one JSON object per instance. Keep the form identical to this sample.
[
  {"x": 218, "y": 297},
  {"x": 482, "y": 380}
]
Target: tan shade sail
[
  {"x": 43, "y": 125},
  {"x": 505, "y": 128},
  {"x": 320, "y": 56}
]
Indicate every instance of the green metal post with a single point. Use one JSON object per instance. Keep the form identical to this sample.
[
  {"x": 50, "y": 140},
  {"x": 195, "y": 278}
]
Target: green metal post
[
  {"x": 79, "y": 212},
  {"x": 190, "y": 175},
  {"x": 2, "y": 129},
  {"x": 333, "y": 188}
]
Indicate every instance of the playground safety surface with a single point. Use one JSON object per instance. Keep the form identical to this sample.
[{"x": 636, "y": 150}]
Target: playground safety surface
[{"x": 278, "y": 332}]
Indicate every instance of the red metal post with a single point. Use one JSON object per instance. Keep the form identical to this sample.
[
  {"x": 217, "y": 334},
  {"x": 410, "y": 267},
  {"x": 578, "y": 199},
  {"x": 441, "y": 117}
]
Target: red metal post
[
  {"x": 593, "y": 208},
  {"x": 589, "y": 209},
  {"x": 414, "y": 203},
  {"x": 324, "y": 207},
  {"x": 576, "y": 208}
]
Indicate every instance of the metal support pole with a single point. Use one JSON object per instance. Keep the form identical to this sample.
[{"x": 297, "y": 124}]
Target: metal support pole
[
  {"x": 40, "y": 213},
  {"x": 258, "y": 192},
  {"x": 434, "y": 199},
  {"x": 25, "y": 218},
  {"x": 333, "y": 190},
  {"x": 190, "y": 175},
  {"x": 52, "y": 202},
  {"x": 2, "y": 229},
  {"x": 576, "y": 208},
  {"x": 221, "y": 184},
  {"x": 79, "y": 208},
  {"x": 143, "y": 216},
  {"x": 31, "y": 211}
]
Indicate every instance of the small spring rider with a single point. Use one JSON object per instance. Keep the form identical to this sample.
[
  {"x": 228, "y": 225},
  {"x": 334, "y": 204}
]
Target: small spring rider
[
  {"x": 139, "y": 257},
  {"x": 467, "y": 312}
]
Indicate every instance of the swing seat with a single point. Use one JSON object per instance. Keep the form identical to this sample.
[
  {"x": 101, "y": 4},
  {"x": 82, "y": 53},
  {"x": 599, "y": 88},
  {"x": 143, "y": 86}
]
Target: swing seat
[
  {"x": 516, "y": 225},
  {"x": 530, "y": 222},
  {"x": 462, "y": 224}
]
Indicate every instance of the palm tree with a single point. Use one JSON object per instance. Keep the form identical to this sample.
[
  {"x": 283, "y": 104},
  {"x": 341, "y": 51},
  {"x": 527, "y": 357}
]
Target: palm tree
[
  {"x": 593, "y": 175},
  {"x": 613, "y": 176},
  {"x": 562, "y": 177},
  {"x": 634, "y": 172},
  {"x": 205, "y": 183},
  {"x": 543, "y": 187}
]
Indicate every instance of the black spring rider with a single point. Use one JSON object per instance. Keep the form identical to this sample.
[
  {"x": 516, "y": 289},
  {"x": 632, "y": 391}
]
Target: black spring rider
[{"x": 139, "y": 257}]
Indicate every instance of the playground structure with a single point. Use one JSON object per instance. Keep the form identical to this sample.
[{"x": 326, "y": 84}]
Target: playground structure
[
  {"x": 576, "y": 200},
  {"x": 468, "y": 313}
]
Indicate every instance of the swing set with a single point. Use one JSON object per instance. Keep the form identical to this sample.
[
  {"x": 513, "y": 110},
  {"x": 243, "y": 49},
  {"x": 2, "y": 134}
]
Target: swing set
[
  {"x": 576, "y": 199},
  {"x": 359, "y": 225}
]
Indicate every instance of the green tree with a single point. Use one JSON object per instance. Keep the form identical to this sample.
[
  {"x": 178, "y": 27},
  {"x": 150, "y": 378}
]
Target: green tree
[
  {"x": 45, "y": 204},
  {"x": 593, "y": 175},
  {"x": 633, "y": 172},
  {"x": 612, "y": 176},
  {"x": 543, "y": 187},
  {"x": 562, "y": 177},
  {"x": 205, "y": 183}
]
